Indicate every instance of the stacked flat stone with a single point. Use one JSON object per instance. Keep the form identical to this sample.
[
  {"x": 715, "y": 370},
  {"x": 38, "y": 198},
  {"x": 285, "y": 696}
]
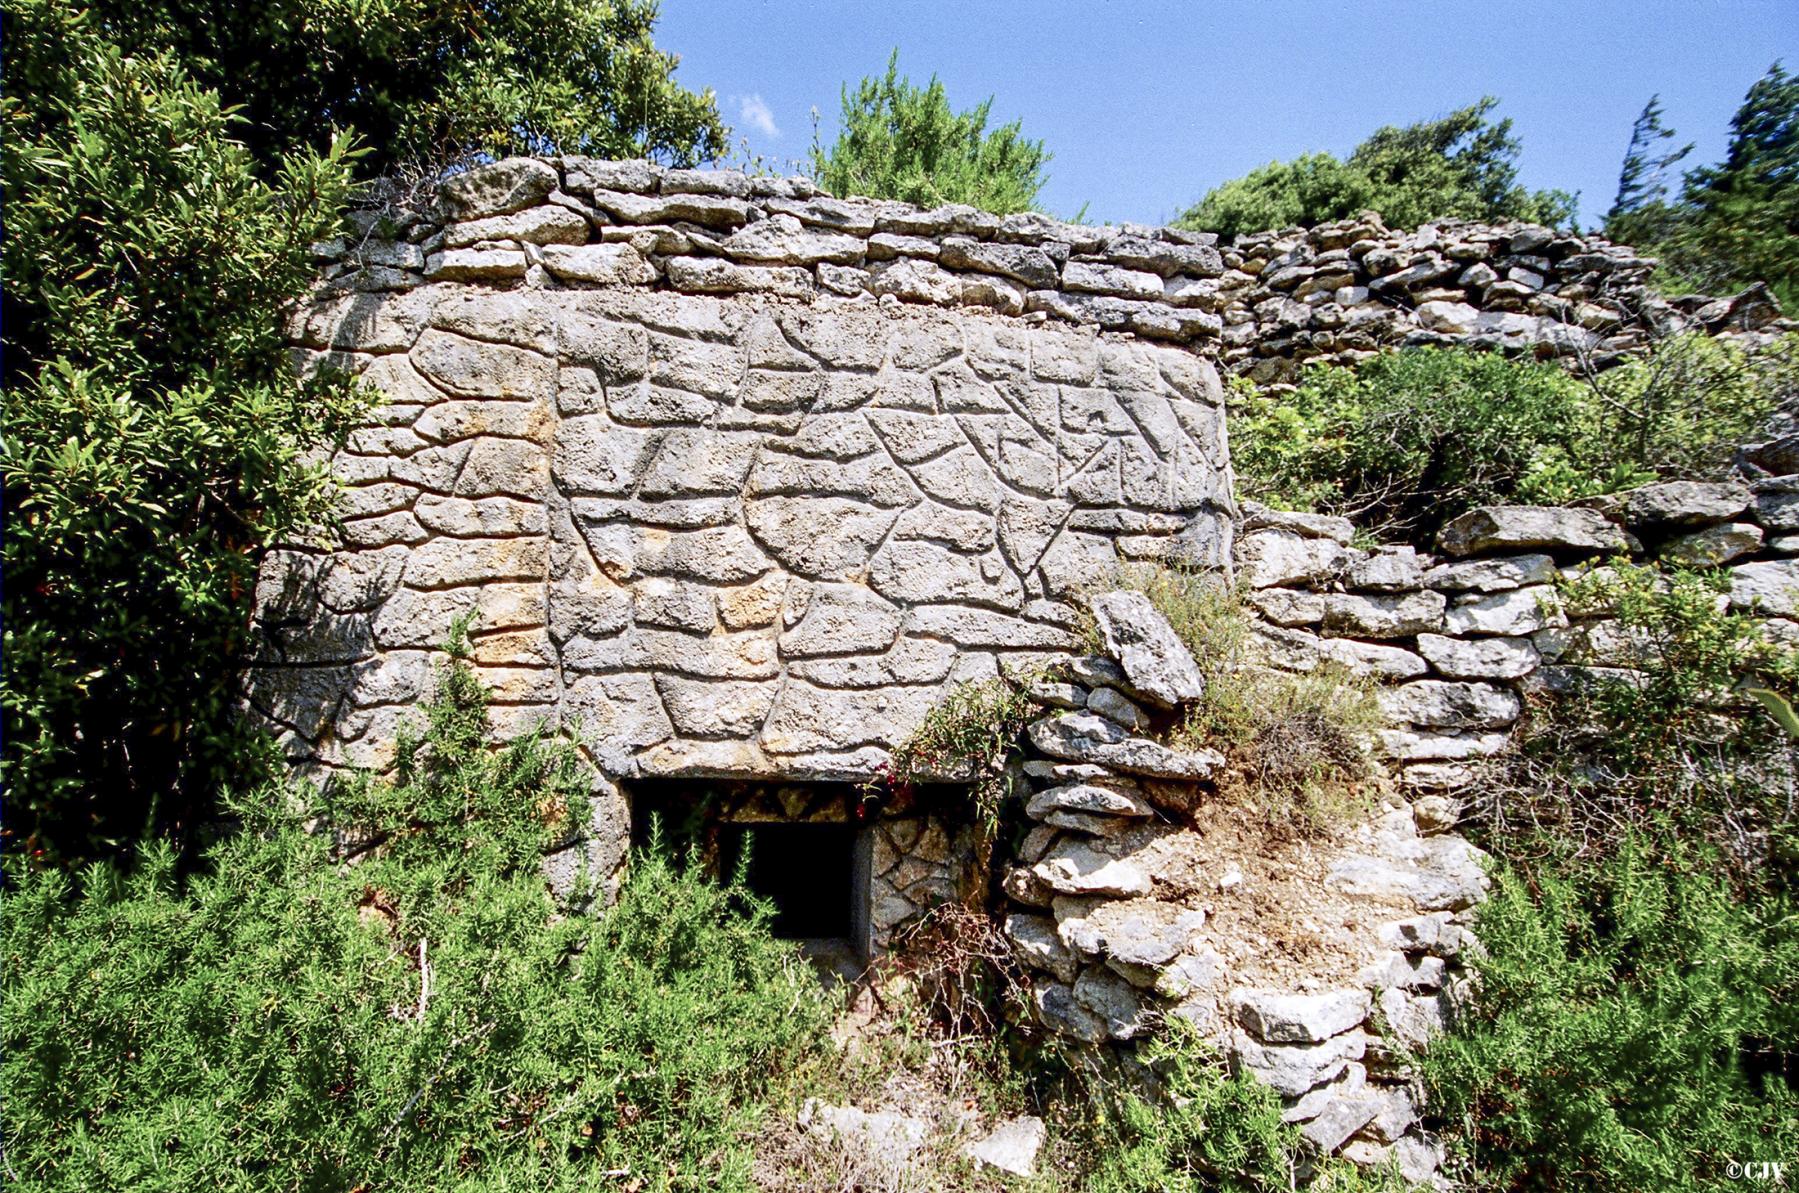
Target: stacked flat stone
[
  {"x": 1458, "y": 640},
  {"x": 1113, "y": 955},
  {"x": 1341, "y": 291},
  {"x": 578, "y": 221}
]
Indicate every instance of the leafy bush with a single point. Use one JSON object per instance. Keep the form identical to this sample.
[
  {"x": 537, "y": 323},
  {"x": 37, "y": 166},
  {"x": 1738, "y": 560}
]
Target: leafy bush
[
  {"x": 1672, "y": 745},
  {"x": 1634, "y": 1024},
  {"x": 1206, "y": 1130},
  {"x": 1459, "y": 166},
  {"x": 1636, "y": 1027},
  {"x": 423, "y": 1018},
  {"x": 1409, "y": 439},
  {"x": 154, "y": 437},
  {"x": 1299, "y": 745},
  {"x": 900, "y": 141}
]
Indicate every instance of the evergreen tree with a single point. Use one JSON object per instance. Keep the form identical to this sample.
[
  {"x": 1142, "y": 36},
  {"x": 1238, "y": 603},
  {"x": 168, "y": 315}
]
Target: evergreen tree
[
  {"x": 1734, "y": 223},
  {"x": 1461, "y": 166},
  {"x": 1642, "y": 180},
  {"x": 900, "y": 141}
]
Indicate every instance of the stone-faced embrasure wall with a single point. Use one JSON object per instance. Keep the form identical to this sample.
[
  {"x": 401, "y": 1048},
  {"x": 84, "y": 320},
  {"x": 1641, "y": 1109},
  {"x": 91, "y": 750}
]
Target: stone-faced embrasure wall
[{"x": 738, "y": 480}]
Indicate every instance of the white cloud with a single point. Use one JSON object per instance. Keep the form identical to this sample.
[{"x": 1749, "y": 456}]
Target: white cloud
[{"x": 753, "y": 111}]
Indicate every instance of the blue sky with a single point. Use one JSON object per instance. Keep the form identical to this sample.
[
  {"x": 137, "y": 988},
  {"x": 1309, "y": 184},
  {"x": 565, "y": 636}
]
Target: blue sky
[{"x": 1146, "y": 104}]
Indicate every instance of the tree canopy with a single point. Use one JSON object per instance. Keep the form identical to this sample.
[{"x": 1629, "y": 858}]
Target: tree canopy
[
  {"x": 1733, "y": 223},
  {"x": 1461, "y": 166},
  {"x": 166, "y": 165},
  {"x": 901, "y": 141},
  {"x": 434, "y": 80}
]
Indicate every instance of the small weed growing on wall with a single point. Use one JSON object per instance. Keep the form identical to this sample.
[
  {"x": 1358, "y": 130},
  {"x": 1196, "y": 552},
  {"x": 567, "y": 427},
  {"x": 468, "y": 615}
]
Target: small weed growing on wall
[
  {"x": 974, "y": 730},
  {"x": 1300, "y": 745}
]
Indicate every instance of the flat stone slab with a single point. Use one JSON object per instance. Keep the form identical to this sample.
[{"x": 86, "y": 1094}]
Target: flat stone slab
[
  {"x": 1525, "y": 527},
  {"x": 1276, "y": 1017},
  {"x": 1086, "y": 737},
  {"x": 1155, "y": 661},
  {"x": 1011, "y": 1147}
]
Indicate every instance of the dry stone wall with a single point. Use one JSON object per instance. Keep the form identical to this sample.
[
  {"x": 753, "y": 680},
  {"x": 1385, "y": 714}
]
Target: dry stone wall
[
  {"x": 1460, "y": 640},
  {"x": 1341, "y": 291},
  {"x": 718, "y": 510}
]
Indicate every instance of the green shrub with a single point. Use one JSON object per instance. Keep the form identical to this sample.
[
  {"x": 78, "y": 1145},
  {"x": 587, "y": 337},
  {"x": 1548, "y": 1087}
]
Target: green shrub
[
  {"x": 1636, "y": 1027},
  {"x": 901, "y": 141},
  {"x": 1409, "y": 439},
  {"x": 1634, "y": 1022},
  {"x": 1459, "y": 166},
  {"x": 1673, "y": 745},
  {"x": 1206, "y": 1129},
  {"x": 154, "y": 438},
  {"x": 421, "y": 1019}
]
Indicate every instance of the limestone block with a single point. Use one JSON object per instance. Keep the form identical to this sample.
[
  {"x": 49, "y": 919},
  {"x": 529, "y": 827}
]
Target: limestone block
[
  {"x": 1511, "y": 613},
  {"x": 422, "y": 619},
  {"x": 1481, "y": 658},
  {"x": 474, "y": 369},
  {"x": 1383, "y": 616},
  {"x": 1294, "y": 1069},
  {"x": 807, "y": 718},
  {"x": 674, "y": 604},
  {"x": 1036, "y": 945},
  {"x": 1405, "y": 745},
  {"x": 519, "y": 318},
  {"x": 1260, "y": 517},
  {"x": 1524, "y": 527},
  {"x": 1492, "y": 575},
  {"x": 1060, "y": 1012},
  {"x": 1714, "y": 545},
  {"x": 499, "y": 187},
  {"x": 1442, "y": 704},
  {"x": 1115, "y": 1002},
  {"x": 915, "y": 572},
  {"x": 1155, "y": 661},
  {"x": 598, "y": 264},
  {"x": 475, "y": 265},
  {"x": 1075, "y": 867},
  {"x": 447, "y": 563},
  {"x": 448, "y": 422},
  {"x": 826, "y": 537},
  {"x": 594, "y": 455},
  {"x": 1387, "y": 569},
  {"x": 842, "y": 619},
  {"x": 1035, "y": 267},
  {"x": 1277, "y": 1017},
  {"x": 708, "y": 275},
  {"x": 536, "y": 225},
  {"x": 617, "y": 352},
  {"x": 1298, "y": 650},
  {"x": 711, "y": 211},
  {"x": 783, "y": 240},
  {"x": 1090, "y": 799},
  {"x": 1144, "y": 933},
  {"x": 1269, "y": 557},
  {"x": 716, "y": 708},
  {"x": 1684, "y": 503},
  {"x": 485, "y": 517},
  {"x": 1770, "y": 588},
  {"x": 1084, "y": 737}
]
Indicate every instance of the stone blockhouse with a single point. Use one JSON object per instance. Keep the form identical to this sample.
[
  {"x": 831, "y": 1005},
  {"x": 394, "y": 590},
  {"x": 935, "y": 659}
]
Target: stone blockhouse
[{"x": 738, "y": 481}]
